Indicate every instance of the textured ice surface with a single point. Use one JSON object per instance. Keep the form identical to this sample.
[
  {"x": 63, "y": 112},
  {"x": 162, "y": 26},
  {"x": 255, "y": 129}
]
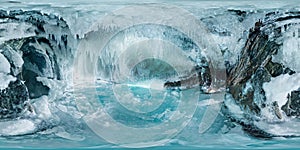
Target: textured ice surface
[{"x": 15, "y": 31}]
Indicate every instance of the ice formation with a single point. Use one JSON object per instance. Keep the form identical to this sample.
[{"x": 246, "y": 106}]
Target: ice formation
[{"x": 141, "y": 65}]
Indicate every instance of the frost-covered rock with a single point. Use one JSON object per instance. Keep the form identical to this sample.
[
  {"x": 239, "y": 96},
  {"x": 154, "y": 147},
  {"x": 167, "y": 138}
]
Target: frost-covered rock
[
  {"x": 13, "y": 100},
  {"x": 39, "y": 47},
  {"x": 15, "y": 60},
  {"x": 32, "y": 45},
  {"x": 262, "y": 86},
  {"x": 292, "y": 105},
  {"x": 38, "y": 58}
]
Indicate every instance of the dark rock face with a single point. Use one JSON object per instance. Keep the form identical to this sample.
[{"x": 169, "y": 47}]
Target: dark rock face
[
  {"x": 38, "y": 63},
  {"x": 292, "y": 106},
  {"x": 201, "y": 78},
  {"x": 36, "y": 88},
  {"x": 13, "y": 100},
  {"x": 255, "y": 67},
  {"x": 255, "y": 55}
]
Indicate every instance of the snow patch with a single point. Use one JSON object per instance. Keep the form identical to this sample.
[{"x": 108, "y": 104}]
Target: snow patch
[
  {"x": 16, "y": 127},
  {"x": 41, "y": 107},
  {"x": 279, "y": 88},
  {"x": 15, "y": 57},
  {"x": 5, "y": 80},
  {"x": 4, "y": 65}
]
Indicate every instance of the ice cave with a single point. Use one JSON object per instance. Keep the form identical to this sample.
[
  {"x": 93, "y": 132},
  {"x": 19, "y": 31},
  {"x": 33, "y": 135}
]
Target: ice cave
[{"x": 160, "y": 74}]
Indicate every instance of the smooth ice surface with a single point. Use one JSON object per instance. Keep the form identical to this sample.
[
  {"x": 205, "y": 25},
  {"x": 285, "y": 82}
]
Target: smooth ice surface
[{"x": 149, "y": 84}]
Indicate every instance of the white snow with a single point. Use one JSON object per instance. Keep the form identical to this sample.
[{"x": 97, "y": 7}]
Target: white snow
[
  {"x": 233, "y": 107},
  {"x": 41, "y": 107},
  {"x": 279, "y": 87},
  {"x": 290, "y": 127},
  {"x": 4, "y": 70},
  {"x": 289, "y": 54},
  {"x": 15, "y": 31},
  {"x": 16, "y": 127},
  {"x": 4, "y": 65},
  {"x": 15, "y": 57},
  {"x": 5, "y": 80}
]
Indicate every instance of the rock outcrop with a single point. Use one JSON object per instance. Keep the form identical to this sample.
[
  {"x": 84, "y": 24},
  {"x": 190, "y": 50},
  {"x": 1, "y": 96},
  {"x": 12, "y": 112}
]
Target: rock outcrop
[{"x": 256, "y": 67}]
